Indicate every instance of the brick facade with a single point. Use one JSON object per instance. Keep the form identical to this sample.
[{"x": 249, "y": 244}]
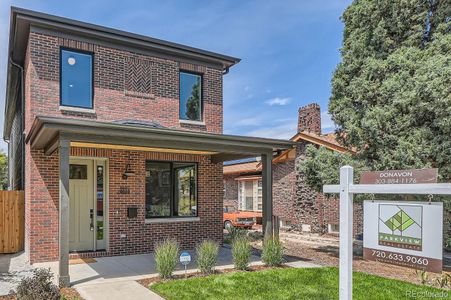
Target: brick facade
[
  {"x": 230, "y": 191},
  {"x": 115, "y": 97},
  {"x": 297, "y": 203},
  {"x": 122, "y": 91},
  {"x": 309, "y": 118},
  {"x": 42, "y": 199}
]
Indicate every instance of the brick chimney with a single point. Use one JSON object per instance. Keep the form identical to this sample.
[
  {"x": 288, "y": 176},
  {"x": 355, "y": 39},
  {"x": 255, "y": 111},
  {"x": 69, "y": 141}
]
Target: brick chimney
[{"x": 310, "y": 118}]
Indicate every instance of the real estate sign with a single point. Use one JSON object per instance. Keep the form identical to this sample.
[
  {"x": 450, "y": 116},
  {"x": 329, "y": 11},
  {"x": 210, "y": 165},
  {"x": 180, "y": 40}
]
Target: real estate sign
[
  {"x": 400, "y": 176},
  {"x": 404, "y": 233}
]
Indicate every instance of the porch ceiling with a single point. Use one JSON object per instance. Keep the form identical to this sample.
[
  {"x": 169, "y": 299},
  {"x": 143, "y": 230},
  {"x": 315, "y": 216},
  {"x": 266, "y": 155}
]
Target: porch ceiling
[{"x": 47, "y": 131}]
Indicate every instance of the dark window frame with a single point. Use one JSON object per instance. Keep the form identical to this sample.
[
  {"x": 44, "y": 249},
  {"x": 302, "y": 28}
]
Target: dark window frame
[
  {"x": 61, "y": 75},
  {"x": 172, "y": 187},
  {"x": 201, "y": 75}
]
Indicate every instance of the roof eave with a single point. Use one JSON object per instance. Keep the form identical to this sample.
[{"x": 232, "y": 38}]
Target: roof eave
[{"x": 119, "y": 36}]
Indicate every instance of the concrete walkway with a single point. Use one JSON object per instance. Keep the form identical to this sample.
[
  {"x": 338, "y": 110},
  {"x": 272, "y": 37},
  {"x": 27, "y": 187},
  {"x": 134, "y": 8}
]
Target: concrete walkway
[
  {"x": 130, "y": 267},
  {"x": 112, "y": 278},
  {"x": 123, "y": 290},
  {"x": 13, "y": 268}
]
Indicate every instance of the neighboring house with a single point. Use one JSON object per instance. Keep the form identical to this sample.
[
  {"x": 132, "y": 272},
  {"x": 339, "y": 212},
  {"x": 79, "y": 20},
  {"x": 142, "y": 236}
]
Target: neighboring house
[
  {"x": 298, "y": 206},
  {"x": 242, "y": 185},
  {"x": 116, "y": 139}
]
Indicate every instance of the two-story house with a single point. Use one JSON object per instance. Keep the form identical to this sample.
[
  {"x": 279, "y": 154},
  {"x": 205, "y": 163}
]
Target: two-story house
[{"x": 117, "y": 140}]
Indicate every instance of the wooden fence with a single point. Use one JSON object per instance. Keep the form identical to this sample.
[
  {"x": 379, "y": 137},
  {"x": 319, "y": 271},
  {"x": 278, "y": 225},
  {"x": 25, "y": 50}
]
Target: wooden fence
[{"x": 12, "y": 221}]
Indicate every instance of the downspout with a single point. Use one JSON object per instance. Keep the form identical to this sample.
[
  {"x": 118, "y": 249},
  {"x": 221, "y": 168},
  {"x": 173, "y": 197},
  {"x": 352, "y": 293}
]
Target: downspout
[{"x": 22, "y": 122}]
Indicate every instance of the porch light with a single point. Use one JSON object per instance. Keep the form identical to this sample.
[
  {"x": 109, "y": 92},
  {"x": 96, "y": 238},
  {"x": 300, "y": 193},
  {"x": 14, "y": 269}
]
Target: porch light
[{"x": 128, "y": 172}]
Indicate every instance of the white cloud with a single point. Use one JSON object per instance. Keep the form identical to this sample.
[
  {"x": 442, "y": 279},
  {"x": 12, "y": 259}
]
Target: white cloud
[
  {"x": 278, "y": 101},
  {"x": 284, "y": 131},
  {"x": 326, "y": 122},
  {"x": 248, "y": 122}
]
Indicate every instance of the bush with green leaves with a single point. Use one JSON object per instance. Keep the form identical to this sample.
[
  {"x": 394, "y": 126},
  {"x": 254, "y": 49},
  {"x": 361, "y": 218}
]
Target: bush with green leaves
[
  {"x": 236, "y": 232},
  {"x": 38, "y": 287},
  {"x": 166, "y": 254},
  {"x": 207, "y": 252},
  {"x": 241, "y": 252},
  {"x": 272, "y": 253}
]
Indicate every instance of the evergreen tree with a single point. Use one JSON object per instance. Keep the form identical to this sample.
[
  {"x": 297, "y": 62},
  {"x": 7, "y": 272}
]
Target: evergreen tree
[
  {"x": 391, "y": 92},
  {"x": 3, "y": 171},
  {"x": 193, "y": 103}
]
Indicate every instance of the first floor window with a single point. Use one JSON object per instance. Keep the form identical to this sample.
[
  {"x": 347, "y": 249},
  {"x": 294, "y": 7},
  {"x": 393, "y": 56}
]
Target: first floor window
[{"x": 171, "y": 189}]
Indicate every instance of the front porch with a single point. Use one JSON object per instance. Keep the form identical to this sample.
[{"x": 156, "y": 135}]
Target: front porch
[{"x": 124, "y": 152}]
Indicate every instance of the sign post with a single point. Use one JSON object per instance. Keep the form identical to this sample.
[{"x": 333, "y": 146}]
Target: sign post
[
  {"x": 185, "y": 259},
  {"x": 347, "y": 189}
]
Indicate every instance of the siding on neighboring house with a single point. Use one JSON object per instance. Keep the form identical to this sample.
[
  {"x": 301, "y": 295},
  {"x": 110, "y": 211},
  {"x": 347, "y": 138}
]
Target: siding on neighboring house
[{"x": 15, "y": 152}]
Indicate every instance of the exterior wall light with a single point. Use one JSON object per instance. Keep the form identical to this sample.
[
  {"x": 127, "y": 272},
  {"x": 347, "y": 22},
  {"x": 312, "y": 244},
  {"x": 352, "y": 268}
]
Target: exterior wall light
[{"x": 128, "y": 172}]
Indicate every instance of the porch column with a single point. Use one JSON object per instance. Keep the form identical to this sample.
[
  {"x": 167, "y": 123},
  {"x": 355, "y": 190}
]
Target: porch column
[
  {"x": 63, "y": 151},
  {"x": 267, "y": 193}
]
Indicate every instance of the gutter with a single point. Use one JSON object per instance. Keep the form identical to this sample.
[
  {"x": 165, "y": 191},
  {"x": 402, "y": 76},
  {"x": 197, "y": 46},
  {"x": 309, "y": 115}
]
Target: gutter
[{"x": 22, "y": 122}]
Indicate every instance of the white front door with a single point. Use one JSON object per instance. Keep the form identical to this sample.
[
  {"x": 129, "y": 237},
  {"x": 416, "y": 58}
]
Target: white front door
[{"x": 81, "y": 195}]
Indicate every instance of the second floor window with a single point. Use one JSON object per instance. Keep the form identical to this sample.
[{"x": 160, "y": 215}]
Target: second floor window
[
  {"x": 190, "y": 97},
  {"x": 76, "y": 79}
]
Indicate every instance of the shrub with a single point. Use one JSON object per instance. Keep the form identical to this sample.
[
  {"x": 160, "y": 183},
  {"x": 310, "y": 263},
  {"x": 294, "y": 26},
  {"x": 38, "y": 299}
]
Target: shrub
[
  {"x": 241, "y": 252},
  {"x": 38, "y": 287},
  {"x": 166, "y": 254},
  {"x": 272, "y": 254},
  {"x": 207, "y": 253},
  {"x": 236, "y": 232}
]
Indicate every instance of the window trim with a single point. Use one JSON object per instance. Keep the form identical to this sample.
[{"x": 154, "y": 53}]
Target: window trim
[
  {"x": 61, "y": 77},
  {"x": 201, "y": 120},
  {"x": 172, "y": 194}
]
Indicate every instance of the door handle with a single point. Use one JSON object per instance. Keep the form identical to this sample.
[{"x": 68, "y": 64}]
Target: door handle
[{"x": 91, "y": 217}]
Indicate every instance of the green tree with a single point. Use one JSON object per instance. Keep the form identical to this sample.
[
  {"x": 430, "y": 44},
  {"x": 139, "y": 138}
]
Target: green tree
[
  {"x": 391, "y": 92},
  {"x": 193, "y": 103},
  {"x": 3, "y": 171}
]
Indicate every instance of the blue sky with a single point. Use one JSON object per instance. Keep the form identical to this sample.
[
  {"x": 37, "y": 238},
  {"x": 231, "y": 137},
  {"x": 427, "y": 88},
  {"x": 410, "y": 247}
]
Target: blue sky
[{"x": 289, "y": 49}]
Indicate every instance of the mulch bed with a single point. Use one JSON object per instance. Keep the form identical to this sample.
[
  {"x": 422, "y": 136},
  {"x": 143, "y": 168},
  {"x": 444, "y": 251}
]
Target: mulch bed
[
  {"x": 149, "y": 281},
  {"x": 328, "y": 256},
  {"x": 68, "y": 293}
]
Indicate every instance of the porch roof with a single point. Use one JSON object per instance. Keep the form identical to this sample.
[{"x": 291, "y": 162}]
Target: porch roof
[{"x": 46, "y": 131}]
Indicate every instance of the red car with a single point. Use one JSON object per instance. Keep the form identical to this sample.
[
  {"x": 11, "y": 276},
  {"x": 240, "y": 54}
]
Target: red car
[{"x": 234, "y": 218}]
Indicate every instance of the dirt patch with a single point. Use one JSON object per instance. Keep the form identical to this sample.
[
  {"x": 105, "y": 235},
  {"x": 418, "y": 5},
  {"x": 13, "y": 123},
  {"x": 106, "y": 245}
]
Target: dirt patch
[
  {"x": 152, "y": 280},
  {"x": 327, "y": 255}
]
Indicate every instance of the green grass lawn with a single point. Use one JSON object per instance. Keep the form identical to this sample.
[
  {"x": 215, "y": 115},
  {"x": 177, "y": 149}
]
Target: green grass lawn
[{"x": 289, "y": 283}]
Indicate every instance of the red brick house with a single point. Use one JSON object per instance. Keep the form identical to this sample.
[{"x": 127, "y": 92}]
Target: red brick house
[
  {"x": 117, "y": 140},
  {"x": 297, "y": 206}
]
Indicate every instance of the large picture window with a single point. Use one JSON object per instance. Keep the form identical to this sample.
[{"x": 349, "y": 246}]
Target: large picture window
[
  {"x": 76, "y": 79},
  {"x": 171, "y": 189},
  {"x": 190, "y": 96}
]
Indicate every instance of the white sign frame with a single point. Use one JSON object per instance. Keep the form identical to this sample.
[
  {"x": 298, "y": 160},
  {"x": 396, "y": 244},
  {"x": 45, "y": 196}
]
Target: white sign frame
[{"x": 347, "y": 189}]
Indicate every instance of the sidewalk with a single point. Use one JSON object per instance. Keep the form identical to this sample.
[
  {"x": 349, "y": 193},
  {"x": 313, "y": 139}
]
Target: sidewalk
[{"x": 124, "y": 290}]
